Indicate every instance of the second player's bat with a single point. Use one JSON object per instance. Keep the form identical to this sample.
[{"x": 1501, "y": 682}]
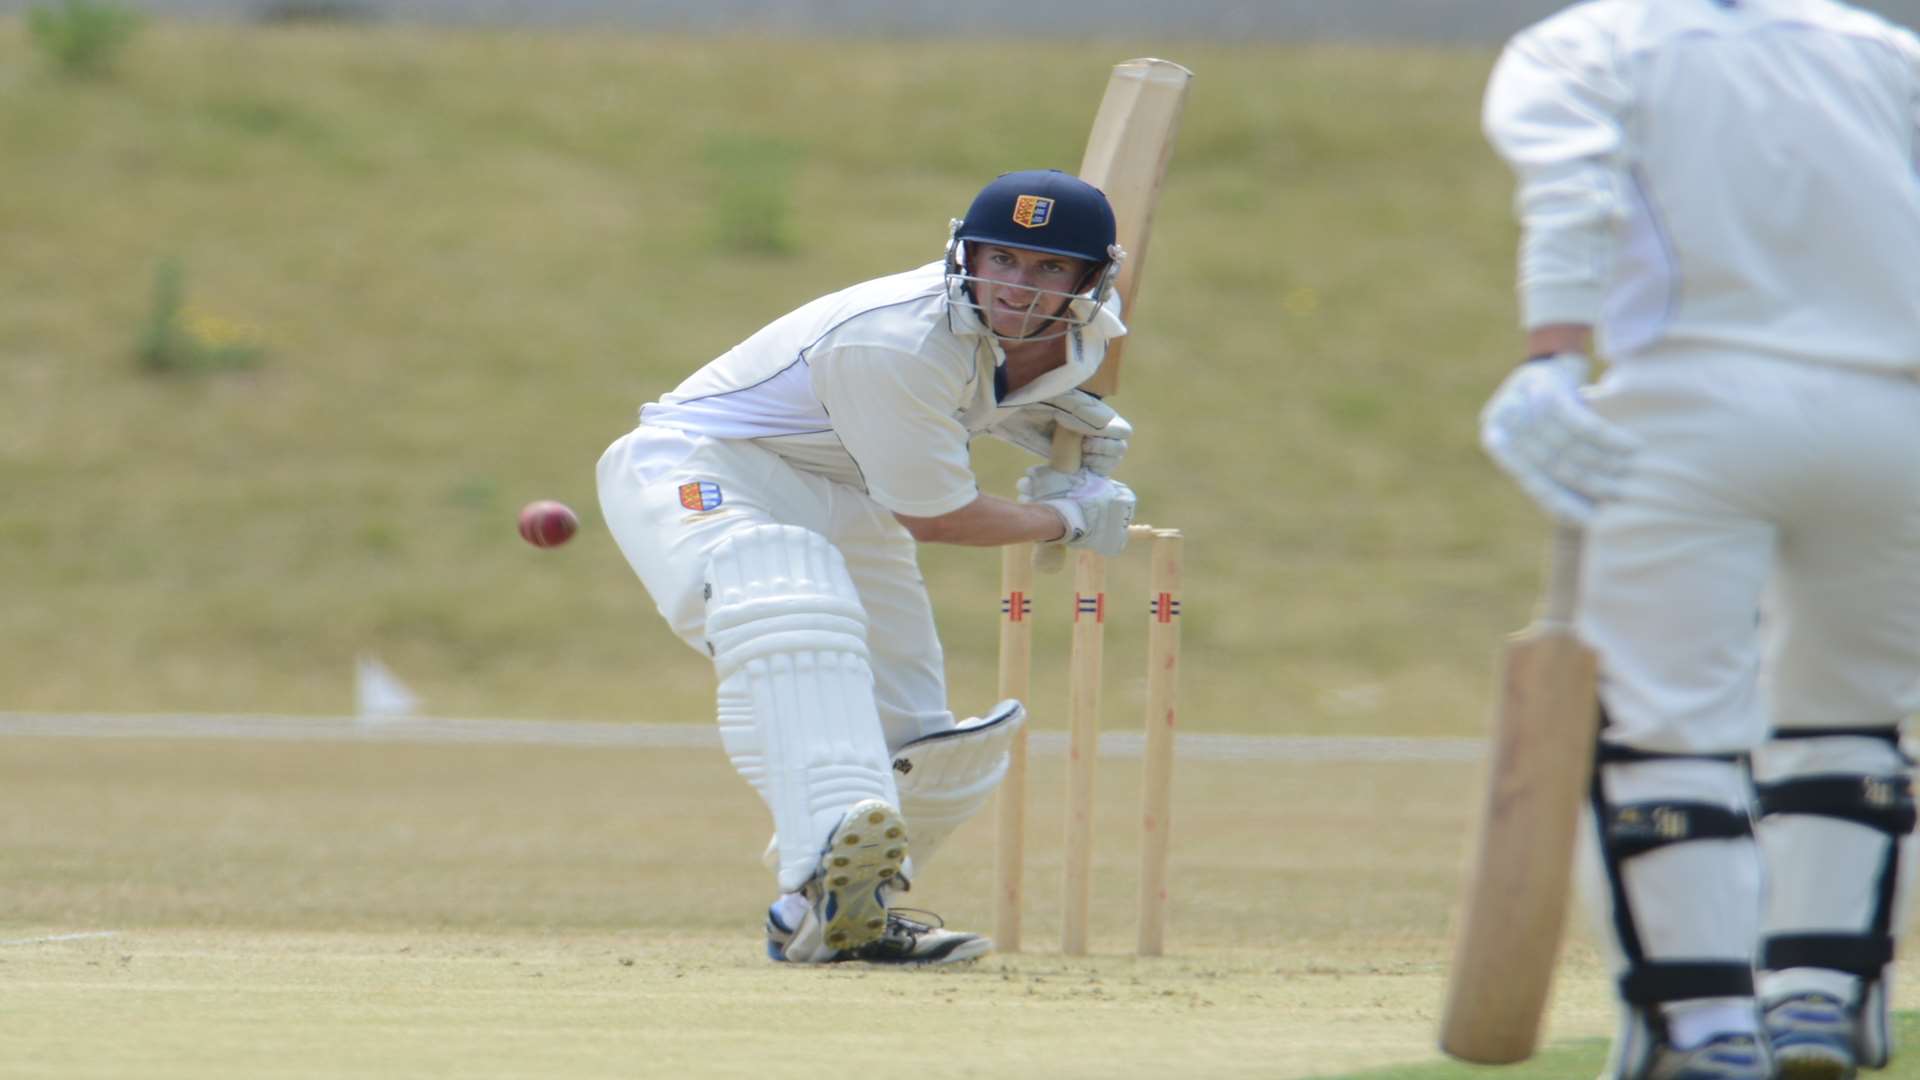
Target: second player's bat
[
  {"x": 1514, "y": 903},
  {"x": 1126, "y": 157}
]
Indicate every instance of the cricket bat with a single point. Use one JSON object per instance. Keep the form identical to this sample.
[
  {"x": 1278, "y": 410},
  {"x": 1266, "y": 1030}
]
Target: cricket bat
[
  {"x": 1514, "y": 903},
  {"x": 1126, "y": 157}
]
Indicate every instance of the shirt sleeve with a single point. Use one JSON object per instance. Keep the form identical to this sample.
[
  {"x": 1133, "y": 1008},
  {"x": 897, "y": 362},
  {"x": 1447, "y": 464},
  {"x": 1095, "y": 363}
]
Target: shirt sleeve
[
  {"x": 1553, "y": 110},
  {"x": 896, "y": 413}
]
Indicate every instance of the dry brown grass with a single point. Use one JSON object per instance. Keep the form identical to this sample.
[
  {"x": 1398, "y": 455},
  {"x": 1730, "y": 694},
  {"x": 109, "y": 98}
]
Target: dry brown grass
[{"x": 306, "y": 909}]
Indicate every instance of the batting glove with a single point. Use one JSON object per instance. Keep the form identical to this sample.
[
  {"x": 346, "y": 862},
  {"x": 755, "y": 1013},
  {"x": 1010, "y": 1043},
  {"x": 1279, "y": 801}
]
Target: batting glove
[
  {"x": 1097, "y": 509},
  {"x": 1565, "y": 456},
  {"x": 1104, "y": 433}
]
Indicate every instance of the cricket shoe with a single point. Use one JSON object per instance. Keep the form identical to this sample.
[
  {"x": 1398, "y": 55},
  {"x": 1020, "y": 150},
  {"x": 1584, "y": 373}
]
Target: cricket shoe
[
  {"x": 794, "y": 929},
  {"x": 1812, "y": 1036},
  {"x": 906, "y": 942},
  {"x": 921, "y": 940},
  {"x": 844, "y": 905},
  {"x": 1723, "y": 1057}
]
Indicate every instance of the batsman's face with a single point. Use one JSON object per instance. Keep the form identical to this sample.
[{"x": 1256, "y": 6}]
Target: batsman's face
[{"x": 1020, "y": 292}]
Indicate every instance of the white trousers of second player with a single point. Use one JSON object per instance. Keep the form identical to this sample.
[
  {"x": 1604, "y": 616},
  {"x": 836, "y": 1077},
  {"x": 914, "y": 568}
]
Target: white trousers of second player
[
  {"x": 669, "y": 545},
  {"x": 1761, "y": 571},
  {"x": 1770, "y": 491}
]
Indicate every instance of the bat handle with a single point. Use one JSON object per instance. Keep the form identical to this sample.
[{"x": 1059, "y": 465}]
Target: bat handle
[
  {"x": 1563, "y": 576},
  {"x": 1049, "y": 558}
]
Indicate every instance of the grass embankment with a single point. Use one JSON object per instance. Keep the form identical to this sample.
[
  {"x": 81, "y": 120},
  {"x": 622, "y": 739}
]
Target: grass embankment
[{"x": 470, "y": 257}]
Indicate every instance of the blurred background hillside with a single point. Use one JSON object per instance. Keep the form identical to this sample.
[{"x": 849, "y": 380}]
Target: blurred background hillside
[
  {"x": 1372, "y": 21},
  {"x": 297, "y": 314}
]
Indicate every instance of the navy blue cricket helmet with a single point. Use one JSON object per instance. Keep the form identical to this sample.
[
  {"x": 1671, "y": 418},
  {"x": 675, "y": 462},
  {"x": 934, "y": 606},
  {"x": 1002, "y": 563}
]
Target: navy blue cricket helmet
[{"x": 1042, "y": 210}]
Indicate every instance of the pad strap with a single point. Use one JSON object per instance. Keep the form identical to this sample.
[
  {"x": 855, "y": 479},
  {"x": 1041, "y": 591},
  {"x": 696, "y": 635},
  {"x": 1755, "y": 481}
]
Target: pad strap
[
  {"x": 1889, "y": 735},
  {"x": 1861, "y": 955},
  {"x": 1637, "y": 828},
  {"x": 1878, "y": 802},
  {"x": 1615, "y": 754},
  {"x": 1655, "y": 982}
]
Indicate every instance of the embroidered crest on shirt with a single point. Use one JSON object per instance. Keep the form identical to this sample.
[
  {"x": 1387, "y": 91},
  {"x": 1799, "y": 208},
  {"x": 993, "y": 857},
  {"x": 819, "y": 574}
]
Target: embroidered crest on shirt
[
  {"x": 1032, "y": 211},
  {"x": 700, "y": 495}
]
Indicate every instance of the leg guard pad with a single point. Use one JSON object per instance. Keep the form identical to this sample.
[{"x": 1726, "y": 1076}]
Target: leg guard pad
[
  {"x": 797, "y": 715},
  {"x": 1679, "y": 877},
  {"x": 947, "y": 777},
  {"x": 1669, "y": 865},
  {"x": 1836, "y": 821}
]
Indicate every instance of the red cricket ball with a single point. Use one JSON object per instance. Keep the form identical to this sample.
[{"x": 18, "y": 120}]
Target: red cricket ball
[{"x": 547, "y": 523}]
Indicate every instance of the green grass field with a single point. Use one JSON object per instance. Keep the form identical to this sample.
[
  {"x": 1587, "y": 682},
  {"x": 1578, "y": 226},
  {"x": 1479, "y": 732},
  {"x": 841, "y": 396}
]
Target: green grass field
[{"x": 472, "y": 256}]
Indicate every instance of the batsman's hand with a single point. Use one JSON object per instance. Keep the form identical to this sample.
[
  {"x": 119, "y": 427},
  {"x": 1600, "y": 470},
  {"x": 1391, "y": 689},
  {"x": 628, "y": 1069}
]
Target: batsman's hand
[
  {"x": 1564, "y": 455},
  {"x": 1097, "y": 509},
  {"x": 1104, "y": 433}
]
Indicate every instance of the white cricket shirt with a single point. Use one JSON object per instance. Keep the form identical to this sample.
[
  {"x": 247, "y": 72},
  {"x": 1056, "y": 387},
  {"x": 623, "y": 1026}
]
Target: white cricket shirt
[
  {"x": 877, "y": 386},
  {"x": 1718, "y": 173}
]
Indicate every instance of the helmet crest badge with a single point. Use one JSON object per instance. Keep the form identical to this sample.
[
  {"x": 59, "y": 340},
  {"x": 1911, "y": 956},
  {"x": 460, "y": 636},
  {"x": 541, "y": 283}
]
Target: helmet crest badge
[{"x": 1032, "y": 211}]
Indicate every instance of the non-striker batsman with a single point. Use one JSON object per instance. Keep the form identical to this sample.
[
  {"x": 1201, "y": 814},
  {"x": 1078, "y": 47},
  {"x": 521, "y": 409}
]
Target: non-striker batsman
[
  {"x": 1722, "y": 195},
  {"x": 772, "y": 505}
]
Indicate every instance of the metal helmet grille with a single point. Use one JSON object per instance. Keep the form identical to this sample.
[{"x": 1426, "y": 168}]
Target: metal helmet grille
[{"x": 1050, "y": 314}]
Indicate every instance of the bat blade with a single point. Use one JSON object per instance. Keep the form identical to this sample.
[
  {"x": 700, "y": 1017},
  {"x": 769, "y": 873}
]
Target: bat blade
[
  {"x": 1514, "y": 903},
  {"x": 1127, "y": 154},
  {"x": 1126, "y": 157}
]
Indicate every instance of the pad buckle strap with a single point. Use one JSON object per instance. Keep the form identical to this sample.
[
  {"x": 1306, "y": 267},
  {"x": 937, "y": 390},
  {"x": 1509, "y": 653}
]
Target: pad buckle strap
[
  {"x": 1881, "y": 732},
  {"x": 1862, "y": 955},
  {"x": 1877, "y": 802},
  {"x": 1654, "y": 982},
  {"x": 1614, "y": 754},
  {"x": 1637, "y": 828}
]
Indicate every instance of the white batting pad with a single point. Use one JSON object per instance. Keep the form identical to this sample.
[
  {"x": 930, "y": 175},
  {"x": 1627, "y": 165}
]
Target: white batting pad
[
  {"x": 1690, "y": 901},
  {"x": 1824, "y": 872},
  {"x": 947, "y": 777},
  {"x": 797, "y": 715}
]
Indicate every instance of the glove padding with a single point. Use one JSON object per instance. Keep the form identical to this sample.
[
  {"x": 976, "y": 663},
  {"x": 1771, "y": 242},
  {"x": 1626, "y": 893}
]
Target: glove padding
[
  {"x": 1565, "y": 456},
  {"x": 1097, "y": 509},
  {"x": 1104, "y": 433}
]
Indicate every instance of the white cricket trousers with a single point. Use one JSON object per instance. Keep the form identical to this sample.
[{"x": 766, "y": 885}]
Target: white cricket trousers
[
  {"x": 668, "y": 545},
  {"x": 1773, "y": 515}
]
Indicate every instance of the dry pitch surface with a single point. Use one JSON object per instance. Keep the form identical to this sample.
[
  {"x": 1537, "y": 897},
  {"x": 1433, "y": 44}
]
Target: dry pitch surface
[{"x": 216, "y": 908}]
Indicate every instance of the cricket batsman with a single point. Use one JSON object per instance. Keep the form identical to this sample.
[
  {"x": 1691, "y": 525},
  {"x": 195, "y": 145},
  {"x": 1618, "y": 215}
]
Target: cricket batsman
[{"x": 772, "y": 505}]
